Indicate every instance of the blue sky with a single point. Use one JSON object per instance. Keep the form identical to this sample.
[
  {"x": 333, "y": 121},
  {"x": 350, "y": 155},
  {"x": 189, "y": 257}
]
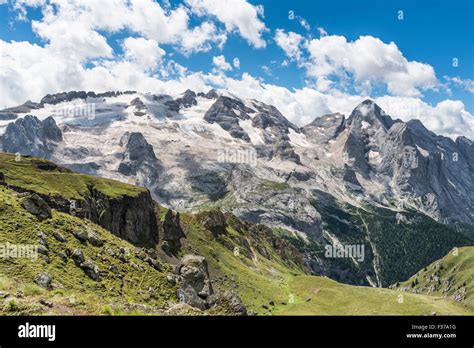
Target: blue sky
[{"x": 431, "y": 32}]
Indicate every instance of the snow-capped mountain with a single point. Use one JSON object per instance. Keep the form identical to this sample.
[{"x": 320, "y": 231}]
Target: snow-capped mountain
[{"x": 216, "y": 150}]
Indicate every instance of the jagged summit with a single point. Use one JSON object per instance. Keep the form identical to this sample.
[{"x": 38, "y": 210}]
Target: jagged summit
[
  {"x": 211, "y": 143},
  {"x": 369, "y": 112},
  {"x": 213, "y": 149}
]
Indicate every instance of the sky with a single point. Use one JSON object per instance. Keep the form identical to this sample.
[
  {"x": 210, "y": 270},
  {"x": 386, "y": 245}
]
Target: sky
[{"x": 308, "y": 58}]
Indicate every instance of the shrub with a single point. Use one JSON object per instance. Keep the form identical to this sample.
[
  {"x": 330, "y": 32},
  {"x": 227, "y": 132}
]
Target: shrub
[
  {"x": 107, "y": 310},
  {"x": 12, "y": 305}
]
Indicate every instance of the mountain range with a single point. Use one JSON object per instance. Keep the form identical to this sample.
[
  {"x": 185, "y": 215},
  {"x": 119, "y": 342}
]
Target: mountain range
[{"x": 403, "y": 193}]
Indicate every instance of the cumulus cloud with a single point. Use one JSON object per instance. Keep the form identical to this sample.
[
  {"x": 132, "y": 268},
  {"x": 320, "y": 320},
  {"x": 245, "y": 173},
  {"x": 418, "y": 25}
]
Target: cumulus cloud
[
  {"x": 201, "y": 38},
  {"x": 77, "y": 56},
  {"x": 466, "y": 84},
  {"x": 21, "y": 6},
  {"x": 290, "y": 43},
  {"x": 73, "y": 40},
  {"x": 236, "y": 15},
  {"x": 335, "y": 63},
  {"x": 368, "y": 59},
  {"x": 66, "y": 19},
  {"x": 448, "y": 117},
  {"x": 144, "y": 52},
  {"x": 29, "y": 71},
  {"x": 322, "y": 32},
  {"x": 220, "y": 63}
]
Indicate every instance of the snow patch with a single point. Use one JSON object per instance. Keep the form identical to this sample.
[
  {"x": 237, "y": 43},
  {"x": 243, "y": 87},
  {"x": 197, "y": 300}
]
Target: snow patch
[
  {"x": 423, "y": 152},
  {"x": 253, "y": 133}
]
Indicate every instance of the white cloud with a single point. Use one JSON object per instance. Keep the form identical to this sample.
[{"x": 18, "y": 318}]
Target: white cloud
[
  {"x": 290, "y": 43},
  {"x": 200, "y": 38},
  {"x": 220, "y": 63},
  {"x": 21, "y": 7},
  {"x": 322, "y": 31},
  {"x": 71, "y": 28},
  {"x": 144, "y": 52},
  {"x": 368, "y": 59},
  {"x": 74, "y": 40},
  {"x": 303, "y": 22},
  {"x": 236, "y": 15},
  {"x": 236, "y": 63},
  {"x": 29, "y": 71},
  {"x": 64, "y": 20},
  {"x": 448, "y": 117},
  {"x": 466, "y": 84}
]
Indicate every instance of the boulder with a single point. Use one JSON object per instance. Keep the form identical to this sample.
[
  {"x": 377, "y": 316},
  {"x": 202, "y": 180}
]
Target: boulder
[
  {"x": 35, "y": 205},
  {"x": 78, "y": 257},
  {"x": 91, "y": 270},
  {"x": 80, "y": 236},
  {"x": 195, "y": 284},
  {"x": 94, "y": 239},
  {"x": 59, "y": 237},
  {"x": 215, "y": 222},
  {"x": 171, "y": 233},
  {"x": 43, "y": 279},
  {"x": 229, "y": 301}
]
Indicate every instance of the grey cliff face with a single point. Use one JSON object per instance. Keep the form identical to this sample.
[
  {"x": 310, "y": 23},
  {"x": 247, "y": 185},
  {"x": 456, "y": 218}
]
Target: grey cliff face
[
  {"x": 226, "y": 112},
  {"x": 325, "y": 128},
  {"x": 30, "y": 136},
  {"x": 325, "y": 182},
  {"x": 139, "y": 160}
]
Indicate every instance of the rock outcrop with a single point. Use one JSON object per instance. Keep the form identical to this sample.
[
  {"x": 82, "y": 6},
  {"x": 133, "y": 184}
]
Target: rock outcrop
[
  {"x": 30, "y": 136},
  {"x": 12, "y": 113},
  {"x": 129, "y": 217},
  {"x": 69, "y": 96},
  {"x": 35, "y": 205},
  {"x": 227, "y": 112},
  {"x": 139, "y": 160},
  {"x": 171, "y": 233},
  {"x": 195, "y": 288},
  {"x": 195, "y": 284}
]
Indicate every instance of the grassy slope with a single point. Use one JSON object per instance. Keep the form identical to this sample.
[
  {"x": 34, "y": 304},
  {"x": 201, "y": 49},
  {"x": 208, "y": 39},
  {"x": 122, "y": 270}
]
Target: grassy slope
[
  {"x": 25, "y": 174},
  {"x": 270, "y": 281},
  {"x": 17, "y": 226},
  {"x": 457, "y": 266},
  {"x": 261, "y": 281}
]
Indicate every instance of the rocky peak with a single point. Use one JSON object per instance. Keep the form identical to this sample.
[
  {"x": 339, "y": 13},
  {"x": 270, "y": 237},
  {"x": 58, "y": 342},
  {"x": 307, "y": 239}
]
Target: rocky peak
[
  {"x": 466, "y": 146},
  {"x": 269, "y": 116},
  {"x": 30, "y": 136},
  {"x": 69, "y": 96},
  {"x": 139, "y": 160},
  {"x": 187, "y": 100},
  {"x": 138, "y": 148},
  {"x": 11, "y": 113},
  {"x": 368, "y": 113},
  {"x": 171, "y": 233},
  {"x": 325, "y": 128},
  {"x": 211, "y": 94},
  {"x": 227, "y": 112}
]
